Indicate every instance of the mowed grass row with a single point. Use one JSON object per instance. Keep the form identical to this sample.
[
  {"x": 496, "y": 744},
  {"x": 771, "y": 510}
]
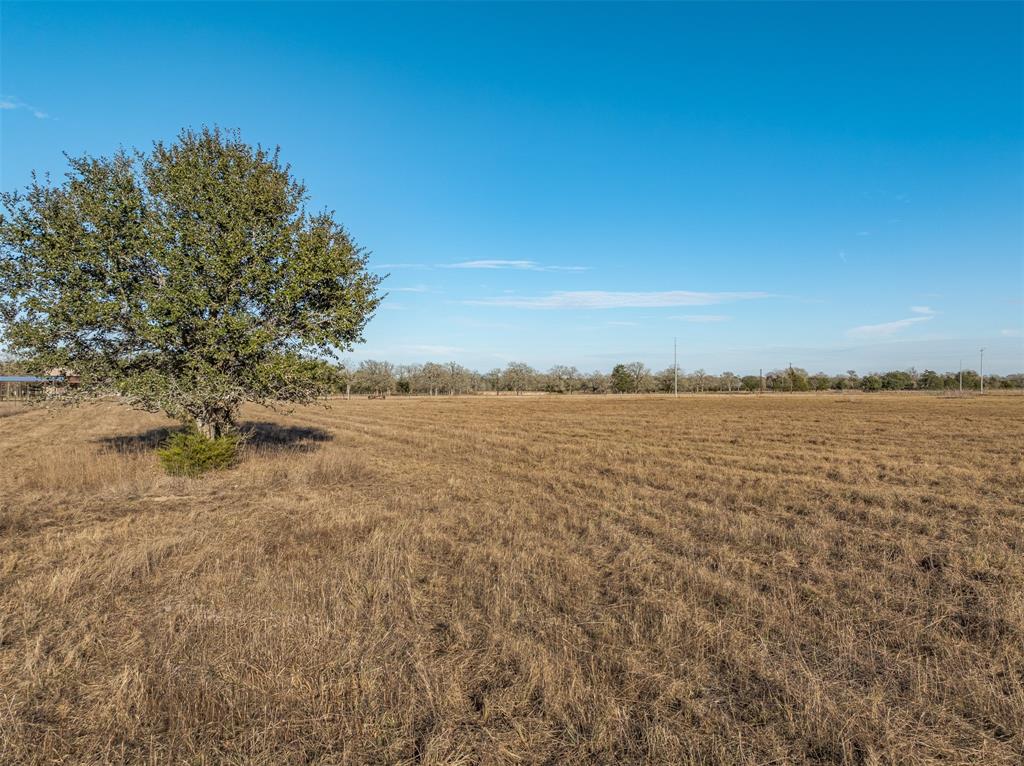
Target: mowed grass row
[{"x": 797, "y": 579}]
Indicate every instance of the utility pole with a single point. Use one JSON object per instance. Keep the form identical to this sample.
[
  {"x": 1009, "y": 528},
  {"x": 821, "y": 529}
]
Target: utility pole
[
  {"x": 675, "y": 367},
  {"x": 981, "y": 370}
]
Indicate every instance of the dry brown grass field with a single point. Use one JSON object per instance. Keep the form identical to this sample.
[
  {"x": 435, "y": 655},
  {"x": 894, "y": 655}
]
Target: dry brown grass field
[{"x": 535, "y": 580}]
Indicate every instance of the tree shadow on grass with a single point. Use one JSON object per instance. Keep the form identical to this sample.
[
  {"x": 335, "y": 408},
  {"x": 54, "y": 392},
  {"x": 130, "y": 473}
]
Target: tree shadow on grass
[
  {"x": 258, "y": 435},
  {"x": 272, "y": 436}
]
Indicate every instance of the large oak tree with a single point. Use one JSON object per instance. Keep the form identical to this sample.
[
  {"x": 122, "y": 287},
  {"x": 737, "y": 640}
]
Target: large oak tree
[{"x": 188, "y": 280}]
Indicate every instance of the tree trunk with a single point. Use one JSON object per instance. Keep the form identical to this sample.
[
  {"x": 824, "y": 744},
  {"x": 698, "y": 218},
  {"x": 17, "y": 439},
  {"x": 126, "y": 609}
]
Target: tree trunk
[
  {"x": 208, "y": 428},
  {"x": 214, "y": 426}
]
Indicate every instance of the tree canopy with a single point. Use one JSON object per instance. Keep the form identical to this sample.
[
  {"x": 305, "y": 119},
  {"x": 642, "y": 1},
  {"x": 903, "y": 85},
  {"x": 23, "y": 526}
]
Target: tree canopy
[{"x": 188, "y": 280}]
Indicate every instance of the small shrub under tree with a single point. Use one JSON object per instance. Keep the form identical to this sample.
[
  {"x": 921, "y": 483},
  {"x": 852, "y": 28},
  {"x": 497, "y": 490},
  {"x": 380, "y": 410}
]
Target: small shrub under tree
[{"x": 191, "y": 453}]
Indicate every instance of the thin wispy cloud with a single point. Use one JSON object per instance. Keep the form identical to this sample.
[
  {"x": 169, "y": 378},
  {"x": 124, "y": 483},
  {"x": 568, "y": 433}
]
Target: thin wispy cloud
[
  {"x": 927, "y": 311},
  {"x": 701, "y": 318},
  {"x": 514, "y": 265},
  {"x": 604, "y": 299},
  {"x": 886, "y": 329},
  {"x": 488, "y": 264},
  {"x": 473, "y": 322},
  {"x": 413, "y": 289},
  {"x": 1012, "y": 333},
  {"x": 10, "y": 103},
  {"x": 432, "y": 349}
]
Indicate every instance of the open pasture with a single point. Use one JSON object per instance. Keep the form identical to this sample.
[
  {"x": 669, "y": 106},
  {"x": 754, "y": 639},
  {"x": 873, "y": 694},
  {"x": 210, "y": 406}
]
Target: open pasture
[{"x": 744, "y": 579}]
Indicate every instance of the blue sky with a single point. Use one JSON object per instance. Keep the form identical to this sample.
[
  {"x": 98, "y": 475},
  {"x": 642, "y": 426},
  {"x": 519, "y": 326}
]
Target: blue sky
[{"x": 828, "y": 185}]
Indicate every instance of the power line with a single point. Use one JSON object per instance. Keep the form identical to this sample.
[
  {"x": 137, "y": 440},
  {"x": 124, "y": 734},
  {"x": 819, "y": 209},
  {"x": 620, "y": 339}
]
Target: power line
[{"x": 675, "y": 367}]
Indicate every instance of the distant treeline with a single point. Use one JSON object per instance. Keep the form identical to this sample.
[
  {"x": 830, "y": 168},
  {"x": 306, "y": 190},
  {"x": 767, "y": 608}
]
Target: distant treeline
[{"x": 376, "y": 377}]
